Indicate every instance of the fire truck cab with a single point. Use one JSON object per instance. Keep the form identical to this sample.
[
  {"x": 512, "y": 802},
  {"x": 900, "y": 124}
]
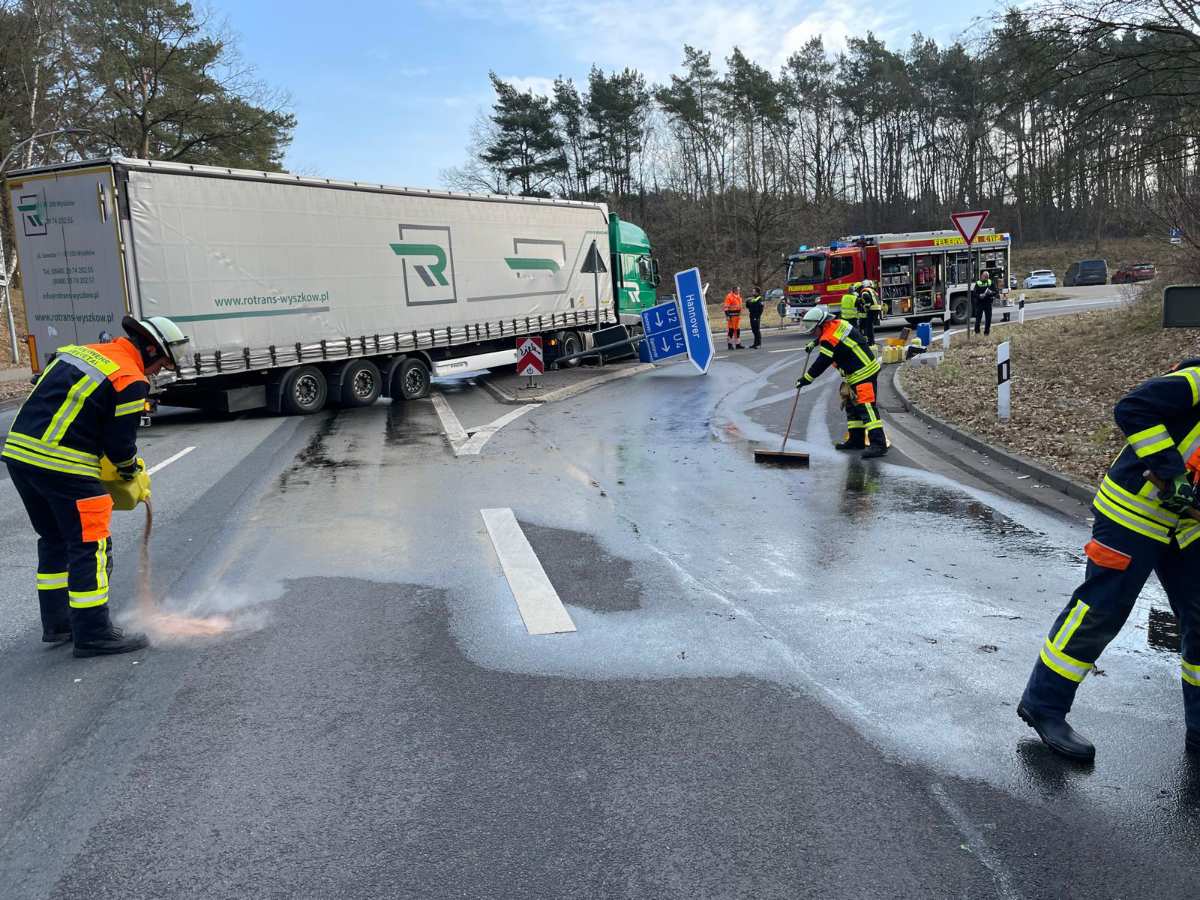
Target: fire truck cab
[{"x": 920, "y": 276}]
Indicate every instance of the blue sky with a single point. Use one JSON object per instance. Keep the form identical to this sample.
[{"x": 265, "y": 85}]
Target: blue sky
[{"x": 388, "y": 91}]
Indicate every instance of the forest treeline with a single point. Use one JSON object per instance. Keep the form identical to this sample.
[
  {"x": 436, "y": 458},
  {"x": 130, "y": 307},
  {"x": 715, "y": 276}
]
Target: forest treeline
[{"x": 1068, "y": 120}]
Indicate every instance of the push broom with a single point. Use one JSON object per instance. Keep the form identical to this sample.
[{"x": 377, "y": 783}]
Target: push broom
[{"x": 782, "y": 457}]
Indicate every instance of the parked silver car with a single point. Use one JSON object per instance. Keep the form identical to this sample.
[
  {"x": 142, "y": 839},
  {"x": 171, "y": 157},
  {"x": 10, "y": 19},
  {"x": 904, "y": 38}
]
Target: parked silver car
[{"x": 1041, "y": 278}]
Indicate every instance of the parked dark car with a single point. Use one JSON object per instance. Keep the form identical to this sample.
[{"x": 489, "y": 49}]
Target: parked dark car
[
  {"x": 1086, "y": 271},
  {"x": 1132, "y": 272}
]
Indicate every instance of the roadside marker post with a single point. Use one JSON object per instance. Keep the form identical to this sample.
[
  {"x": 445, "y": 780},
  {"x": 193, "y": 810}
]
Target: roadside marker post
[
  {"x": 1003, "y": 382},
  {"x": 1021, "y": 310}
]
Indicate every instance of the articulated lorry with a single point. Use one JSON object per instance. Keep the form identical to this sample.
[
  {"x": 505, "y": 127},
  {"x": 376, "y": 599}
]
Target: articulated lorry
[
  {"x": 920, "y": 276},
  {"x": 296, "y": 292}
]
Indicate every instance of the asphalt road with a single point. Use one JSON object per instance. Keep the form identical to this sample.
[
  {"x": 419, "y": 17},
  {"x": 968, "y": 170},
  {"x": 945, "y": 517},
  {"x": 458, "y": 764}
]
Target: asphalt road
[{"x": 782, "y": 683}]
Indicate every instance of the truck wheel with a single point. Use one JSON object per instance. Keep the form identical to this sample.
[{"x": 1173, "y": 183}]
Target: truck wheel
[
  {"x": 960, "y": 309},
  {"x": 361, "y": 383},
  {"x": 411, "y": 380},
  {"x": 570, "y": 344},
  {"x": 304, "y": 391}
]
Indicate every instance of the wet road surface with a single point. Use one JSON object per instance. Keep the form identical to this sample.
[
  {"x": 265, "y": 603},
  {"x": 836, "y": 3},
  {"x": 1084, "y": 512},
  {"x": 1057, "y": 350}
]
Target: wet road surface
[{"x": 782, "y": 683}]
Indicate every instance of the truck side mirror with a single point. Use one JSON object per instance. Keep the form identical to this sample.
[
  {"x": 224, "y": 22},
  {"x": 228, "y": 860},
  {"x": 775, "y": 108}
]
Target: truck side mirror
[{"x": 1181, "y": 306}]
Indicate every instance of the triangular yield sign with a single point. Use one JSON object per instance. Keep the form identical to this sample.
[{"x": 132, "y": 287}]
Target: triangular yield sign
[
  {"x": 969, "y": 223},
  {"x": 594, "y": 264}
]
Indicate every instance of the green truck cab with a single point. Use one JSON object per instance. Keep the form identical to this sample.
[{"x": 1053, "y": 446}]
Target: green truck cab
[{"x": 634, "y": 269}]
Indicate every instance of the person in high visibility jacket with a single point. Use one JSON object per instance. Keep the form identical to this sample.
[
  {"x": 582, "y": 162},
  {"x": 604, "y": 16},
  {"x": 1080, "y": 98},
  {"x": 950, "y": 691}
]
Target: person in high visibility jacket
[
  {"x": 1143, "y": 524},
  {"x": 983, "y": 293},
  {"x": 850, "y": 308},
  {"x": 733, "y": 319},
  {"x": 754, "y": 306},
  {"x": 840, "y": 344},
  {"x": 86, "y": 406},
  {"x": 871, "y": 309}
]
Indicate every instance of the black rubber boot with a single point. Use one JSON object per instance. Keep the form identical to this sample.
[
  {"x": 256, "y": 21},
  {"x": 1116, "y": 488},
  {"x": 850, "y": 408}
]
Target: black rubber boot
[
  {"x": 879, "y": 445},
  {"x": 56, "y": 616},
  {"x": 95, "y": 634},
  {"x": 849, "y": 444},
  {"x": 1058, "y": 735}
]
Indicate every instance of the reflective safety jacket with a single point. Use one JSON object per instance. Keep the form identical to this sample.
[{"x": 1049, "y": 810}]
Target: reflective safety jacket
[
  {"x": 983, "y": 291},
  {"x": 849, "y": 306},
  {"x": 733, "y": 304},
  {"x": 1161, "y": 423},
  {"x": 754, "y": 306},
  {"x": 87, "y": 404},
  {"x": 870, "y": 300},
  {"x": 843, "y": 345}
]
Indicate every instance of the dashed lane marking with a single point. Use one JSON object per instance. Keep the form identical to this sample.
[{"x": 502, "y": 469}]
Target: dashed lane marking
[
  {"x": 538, "y": 602},
  {"x": 170, "y": 459}
]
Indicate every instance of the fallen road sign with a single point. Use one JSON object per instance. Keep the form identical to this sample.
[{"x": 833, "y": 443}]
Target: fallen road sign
[
  {"x": 663, "y": 331},
  {"x": 694, "y": 313}
]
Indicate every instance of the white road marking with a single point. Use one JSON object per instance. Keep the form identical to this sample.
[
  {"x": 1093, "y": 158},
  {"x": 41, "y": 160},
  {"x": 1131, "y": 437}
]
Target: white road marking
[
  {"x": 170, "y": 459},
  {"x": 787, "y": 350},
  {"x": 538, "y": 602},
  {"x": 483, "y": 435},
  {"x": 450, "y": 424},
  {"x": 976, "y": 844}
]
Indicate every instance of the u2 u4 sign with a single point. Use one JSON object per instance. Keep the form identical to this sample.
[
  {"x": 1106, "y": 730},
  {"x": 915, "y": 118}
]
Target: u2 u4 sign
[{"x": 530, "y": 359}]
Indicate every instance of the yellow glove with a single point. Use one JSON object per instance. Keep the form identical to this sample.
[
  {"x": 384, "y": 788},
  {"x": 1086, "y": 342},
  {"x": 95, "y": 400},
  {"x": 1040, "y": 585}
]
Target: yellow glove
[{"x": 126, "y": 494}]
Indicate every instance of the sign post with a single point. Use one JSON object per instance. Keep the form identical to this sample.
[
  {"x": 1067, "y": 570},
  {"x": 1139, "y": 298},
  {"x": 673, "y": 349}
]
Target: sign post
[
  {"x": 968, "y": 225},
  {"x": 530, "y": 359},
  {"x": 694, "y": 313},
  {"x": 1003, "y": 382},
  {"x": 594, "y": 264}
]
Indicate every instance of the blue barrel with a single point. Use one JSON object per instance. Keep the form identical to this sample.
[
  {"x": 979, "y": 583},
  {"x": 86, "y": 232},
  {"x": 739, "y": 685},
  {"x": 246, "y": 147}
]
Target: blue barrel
[{"x": 925, "y": 333}]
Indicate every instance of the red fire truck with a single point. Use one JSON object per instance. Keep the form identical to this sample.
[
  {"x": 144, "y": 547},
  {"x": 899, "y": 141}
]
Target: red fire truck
[{"x": 920, "y": 276}]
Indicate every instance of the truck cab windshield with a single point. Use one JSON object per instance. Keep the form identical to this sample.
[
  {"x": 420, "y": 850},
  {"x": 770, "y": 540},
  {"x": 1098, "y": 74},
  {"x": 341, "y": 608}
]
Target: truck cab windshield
[{"x": 806, "y": 269}]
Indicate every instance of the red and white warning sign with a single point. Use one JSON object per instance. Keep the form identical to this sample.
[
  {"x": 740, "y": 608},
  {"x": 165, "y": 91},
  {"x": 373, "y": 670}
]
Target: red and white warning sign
[
  {"x": 969, "y": 223},
  {"x": 530, "y": 360}
]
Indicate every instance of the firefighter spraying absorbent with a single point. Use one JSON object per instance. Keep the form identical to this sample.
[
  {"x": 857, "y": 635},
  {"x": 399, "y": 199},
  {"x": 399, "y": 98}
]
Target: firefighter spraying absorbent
[{"x": 72, "y": 457}]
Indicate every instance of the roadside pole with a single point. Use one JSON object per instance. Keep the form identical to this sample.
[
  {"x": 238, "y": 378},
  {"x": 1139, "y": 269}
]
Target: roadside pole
[
  {"x": 968, "y": 225},
  {"x": 1021, "y": 310},
  {"x": 1003, "y": 382},
  {"x": 12, "y": 324},
  {"x": 595, "y": 265}
]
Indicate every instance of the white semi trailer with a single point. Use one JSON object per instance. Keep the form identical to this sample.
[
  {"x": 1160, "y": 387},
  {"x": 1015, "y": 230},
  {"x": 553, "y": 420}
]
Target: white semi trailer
[{"x": 296, "y": 292}]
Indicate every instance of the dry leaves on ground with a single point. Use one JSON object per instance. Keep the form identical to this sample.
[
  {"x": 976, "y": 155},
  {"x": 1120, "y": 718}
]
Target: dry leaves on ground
[{"x": 1067, "y": 374}]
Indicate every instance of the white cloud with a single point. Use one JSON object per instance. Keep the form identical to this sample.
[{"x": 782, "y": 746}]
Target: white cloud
[
  {"x": 650, "y": 34},
  {"x": 531, "y": 84}
]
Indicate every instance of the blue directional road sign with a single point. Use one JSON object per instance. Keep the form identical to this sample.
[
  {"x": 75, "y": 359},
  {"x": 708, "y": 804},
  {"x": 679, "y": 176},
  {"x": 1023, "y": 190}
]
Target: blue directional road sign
[
  {"x": 664, "y": 333},
  {"x": 694, "y": 313}
]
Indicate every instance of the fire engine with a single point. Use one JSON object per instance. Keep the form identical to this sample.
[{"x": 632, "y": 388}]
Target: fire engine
[{"x": 920, "y": 276}]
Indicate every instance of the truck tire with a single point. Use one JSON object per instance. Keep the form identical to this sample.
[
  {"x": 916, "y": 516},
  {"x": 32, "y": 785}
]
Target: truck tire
[
  {"x": 570, "y": 344},
  {"x": 410, "y": 380},
  {"x": 960, "y": 308},
  {"x": 304, "y": 391},
  {"x": 361, "y": 383}
]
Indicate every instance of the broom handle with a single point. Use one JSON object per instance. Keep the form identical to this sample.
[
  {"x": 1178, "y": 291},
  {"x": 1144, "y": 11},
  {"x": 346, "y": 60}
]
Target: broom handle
[{"x": 787, "y": 433}]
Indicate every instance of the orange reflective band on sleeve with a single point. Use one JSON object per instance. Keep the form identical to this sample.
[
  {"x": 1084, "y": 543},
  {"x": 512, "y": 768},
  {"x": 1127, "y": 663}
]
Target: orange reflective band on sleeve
[
  {"x": 864, "y": 393},
  {"x": 1106, "y": 556},
  {"x": 95, "y": 513}
]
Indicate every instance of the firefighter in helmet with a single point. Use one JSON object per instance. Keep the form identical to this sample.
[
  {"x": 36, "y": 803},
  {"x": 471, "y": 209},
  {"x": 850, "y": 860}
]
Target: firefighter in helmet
[
  {"x": 85, "y": 408},
  {"x": 841, "y": 344},
  {"x": 1145, "y": 521}
]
